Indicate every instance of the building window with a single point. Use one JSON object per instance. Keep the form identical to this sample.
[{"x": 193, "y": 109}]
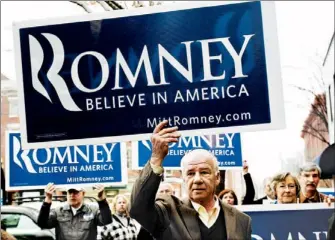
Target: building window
[
  {"x": 13, "y": 126},
  {"x": 13, "y": 107}
]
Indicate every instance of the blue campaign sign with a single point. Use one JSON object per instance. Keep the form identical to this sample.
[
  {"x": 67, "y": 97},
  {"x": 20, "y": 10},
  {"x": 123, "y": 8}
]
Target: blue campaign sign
[
  {"x": 106, "y": 77},
  {"x": 327, "y": 191},
  {"x": 84, "y": 165},
  {"x": 226, "y": 147},
  {"x": 289, "y": 221}
]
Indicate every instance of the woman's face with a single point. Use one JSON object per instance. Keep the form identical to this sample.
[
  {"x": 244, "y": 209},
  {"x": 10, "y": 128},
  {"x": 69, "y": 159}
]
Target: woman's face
[
  {"x": 228, "y": 198},
  {"x": 286, "y": 191}
]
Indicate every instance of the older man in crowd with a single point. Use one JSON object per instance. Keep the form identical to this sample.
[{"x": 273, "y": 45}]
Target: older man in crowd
[
  {"x": 201, "y": 215},
  {"x": 309, "y": 178},
  {"x": 164, "y": 188}
]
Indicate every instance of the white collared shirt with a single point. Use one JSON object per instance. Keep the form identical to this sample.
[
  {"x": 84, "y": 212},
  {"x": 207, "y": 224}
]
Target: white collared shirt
[
  {"x": 208, "y": 218},
  {"x": 123, "y": 219},
  {"x": 74, "y": 210}
]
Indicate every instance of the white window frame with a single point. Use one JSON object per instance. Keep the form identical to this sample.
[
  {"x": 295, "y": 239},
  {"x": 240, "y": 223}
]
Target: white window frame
[{"x": 13, "y": 103}]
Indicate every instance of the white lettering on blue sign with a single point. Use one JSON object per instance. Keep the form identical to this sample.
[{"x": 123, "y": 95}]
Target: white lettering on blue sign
[
  {"x": 100, "y": 157},
  {"x": 163, "y": 55},
  {"x": 289, "y": 236}
]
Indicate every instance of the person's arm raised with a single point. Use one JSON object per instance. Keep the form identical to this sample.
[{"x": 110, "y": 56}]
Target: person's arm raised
[
  {"x": 104, "y": 215},
  {"x": 153, "y": 216},
  {"x": 46, "y": 219}
]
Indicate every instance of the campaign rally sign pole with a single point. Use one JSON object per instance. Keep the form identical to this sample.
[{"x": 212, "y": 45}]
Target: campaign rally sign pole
[
  {"x": 289, "y": 221},
  {"x": 226, "y": 147},
  {"x": 84, "y": 165},
  {"x": 111, "y": 77}
]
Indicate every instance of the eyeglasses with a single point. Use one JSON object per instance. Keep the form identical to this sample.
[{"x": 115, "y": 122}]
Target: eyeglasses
[{"x": 289, "y": 186}]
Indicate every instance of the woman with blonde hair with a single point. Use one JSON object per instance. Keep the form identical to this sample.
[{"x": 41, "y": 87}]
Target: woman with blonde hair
[{"x": 286, "y": 188}]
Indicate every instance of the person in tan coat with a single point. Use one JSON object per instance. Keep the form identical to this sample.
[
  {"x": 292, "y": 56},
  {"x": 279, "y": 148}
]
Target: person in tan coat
[{"x": 201, "y": 215}]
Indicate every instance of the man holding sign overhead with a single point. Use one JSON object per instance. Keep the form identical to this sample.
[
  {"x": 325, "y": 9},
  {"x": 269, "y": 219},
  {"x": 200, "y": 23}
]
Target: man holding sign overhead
[
  {"x": 75, "y": 220},
  {"x": 199, "y": 216}
]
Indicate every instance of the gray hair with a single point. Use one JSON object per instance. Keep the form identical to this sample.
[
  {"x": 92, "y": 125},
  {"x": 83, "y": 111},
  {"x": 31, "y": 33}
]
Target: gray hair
[
  {"x": 268, "y": 189},
  {"x": 204, "y": 153},
  {"x": 166, "y": 184},
  {"x": 280, "y": 178},
  {"x": 308, "y": 167}
]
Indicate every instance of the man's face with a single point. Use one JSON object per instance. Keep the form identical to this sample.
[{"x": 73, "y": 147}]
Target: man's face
[
  {"x": 75, "y": 198},
  {"x": 287, "y": 191},
  {"x": 309, "y": 180},
  {"x": 121, "y": 205},
  {"x": 201, "y": 178},
  {"x": 165, "y": 189}
]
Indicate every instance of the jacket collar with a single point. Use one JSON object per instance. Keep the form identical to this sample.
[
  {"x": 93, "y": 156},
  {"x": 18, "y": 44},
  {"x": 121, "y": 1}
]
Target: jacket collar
[
  {"x": 315, "y": 198},
  {"x": 84, "y": 208},
  {"x": 189, "y": 215},
  {"x": 230, "y": 220}
]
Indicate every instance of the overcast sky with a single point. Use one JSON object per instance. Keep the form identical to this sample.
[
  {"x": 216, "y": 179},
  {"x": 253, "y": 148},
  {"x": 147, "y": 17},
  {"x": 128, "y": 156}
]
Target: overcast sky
[{"x": 304, "y": 31}]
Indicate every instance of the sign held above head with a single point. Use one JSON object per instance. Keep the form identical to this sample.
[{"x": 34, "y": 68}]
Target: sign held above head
[{"x": 207, "y": 68}]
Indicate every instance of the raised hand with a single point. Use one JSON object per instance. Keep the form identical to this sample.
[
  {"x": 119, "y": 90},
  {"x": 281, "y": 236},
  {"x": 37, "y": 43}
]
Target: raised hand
[
  {"x": 160, "y": 139},
  {"x": 49, "y": 190},
  {"x": 245, "y": 167},
  {"x": 100, "y": 189},
  {"x": 328, "y": 199}
]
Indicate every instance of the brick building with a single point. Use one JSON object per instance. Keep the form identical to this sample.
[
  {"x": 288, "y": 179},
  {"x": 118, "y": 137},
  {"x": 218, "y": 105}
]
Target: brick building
[
  {"x": 315, "y": 132},
  {"x": 9, "y": 116}
]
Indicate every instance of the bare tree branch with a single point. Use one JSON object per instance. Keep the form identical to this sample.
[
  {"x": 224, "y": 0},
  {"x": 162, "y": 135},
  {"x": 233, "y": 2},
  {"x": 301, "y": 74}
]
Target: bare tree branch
[
  {"x": 125, "y": 3},
  {"x": 83, "y": 5},
  {"x": 304, "y": 89},
  {"x": 105, "y": 6},
  {"x": 114, "y": 5},
  {"x": 316, "y": 136},
  {"x": 151, "y": 3},
  {"x": 317, "y": 113},
  {"x": 316, "y": 132},
  {"x": 137, "y": 4}
]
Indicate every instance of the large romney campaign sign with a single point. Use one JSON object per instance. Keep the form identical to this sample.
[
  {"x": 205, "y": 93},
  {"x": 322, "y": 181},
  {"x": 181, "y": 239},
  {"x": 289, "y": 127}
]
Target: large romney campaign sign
[
  {"x": 289, "y": 221},
  {"x": 226, "y": 147},
  {"x": 112, "y": 77},
  {"x": 83, "y": 165}
]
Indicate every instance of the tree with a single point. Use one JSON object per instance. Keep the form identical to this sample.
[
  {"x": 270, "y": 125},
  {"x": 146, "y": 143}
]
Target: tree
[{"x": 316, "y": 124}]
